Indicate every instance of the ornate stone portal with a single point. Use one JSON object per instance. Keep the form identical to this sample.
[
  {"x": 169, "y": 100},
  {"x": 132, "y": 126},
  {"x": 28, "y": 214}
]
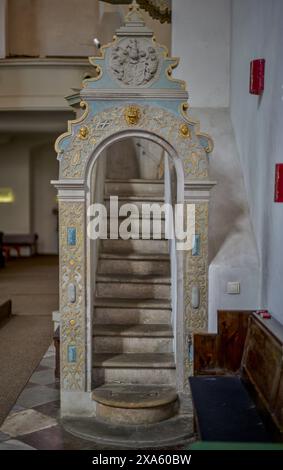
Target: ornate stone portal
[{"x": 133, "y": 95}]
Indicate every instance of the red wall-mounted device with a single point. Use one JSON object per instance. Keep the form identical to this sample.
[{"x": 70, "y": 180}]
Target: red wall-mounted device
[
  {"x": 257, "y": 73},
  {"x": 279, "y": 183}
]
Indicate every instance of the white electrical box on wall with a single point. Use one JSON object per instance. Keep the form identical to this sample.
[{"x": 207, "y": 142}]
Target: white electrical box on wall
[{"x": 233, "y": 288}]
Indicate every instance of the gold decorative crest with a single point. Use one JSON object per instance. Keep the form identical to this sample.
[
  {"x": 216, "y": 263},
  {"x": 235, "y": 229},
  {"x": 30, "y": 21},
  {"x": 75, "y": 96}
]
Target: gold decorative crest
[
  {"x": 83, "y": 134},
  {"x": 132, "y": 115},
  {"x": 185, "y": 131}
]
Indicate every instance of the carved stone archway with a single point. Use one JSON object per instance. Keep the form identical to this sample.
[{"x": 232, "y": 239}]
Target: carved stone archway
[{"x": 133, "y": 94}]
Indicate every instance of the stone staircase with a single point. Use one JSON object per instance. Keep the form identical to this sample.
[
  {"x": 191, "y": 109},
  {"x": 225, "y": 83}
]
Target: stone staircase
[{"x": 133, "y": 361}]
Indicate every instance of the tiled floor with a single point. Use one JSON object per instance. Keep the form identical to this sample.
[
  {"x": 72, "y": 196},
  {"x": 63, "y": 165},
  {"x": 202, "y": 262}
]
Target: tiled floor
[{"x": 33, "y": 423}]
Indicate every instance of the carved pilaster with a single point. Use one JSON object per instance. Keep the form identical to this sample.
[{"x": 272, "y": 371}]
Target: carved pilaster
[
  {"x": 196, "y": 267},
  {"x": 72, "y": 288}
]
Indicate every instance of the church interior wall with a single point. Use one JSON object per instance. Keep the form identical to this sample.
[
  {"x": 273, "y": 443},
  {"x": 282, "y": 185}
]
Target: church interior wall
[
  {"x": 27, "y": 164},
  {"x": 44, "y": 206},
  {"x": 257, "y": 30},
  {"x": 45, "y": 28},
  {"x": 233, "y": 254},
  {"x": 15, "y": 174},
  {"x": 205, "y": 65},
  {"x": 205, "y": 53}
]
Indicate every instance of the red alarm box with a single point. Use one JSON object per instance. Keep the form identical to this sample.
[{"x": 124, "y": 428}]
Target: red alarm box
[
  {"x": 278, "y": 183},
  {"x": 257, "y": 73}
]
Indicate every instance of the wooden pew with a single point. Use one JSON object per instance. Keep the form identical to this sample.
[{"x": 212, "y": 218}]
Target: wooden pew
[
  {"x": 221, "y": 353},
  {"x": 18, "y": 241},
  {"x": 262, "y": 365},
  {"x": 238, "y": 380}
]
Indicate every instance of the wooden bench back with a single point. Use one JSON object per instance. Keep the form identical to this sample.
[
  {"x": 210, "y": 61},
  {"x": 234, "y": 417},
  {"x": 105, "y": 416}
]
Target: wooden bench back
[
  {"x": 262, "y": 363},
  {"x": 221, "y": 353}
]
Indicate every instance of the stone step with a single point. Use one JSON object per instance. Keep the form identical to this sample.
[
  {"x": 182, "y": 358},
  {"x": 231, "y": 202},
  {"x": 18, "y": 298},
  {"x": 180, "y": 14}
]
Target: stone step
[
  {"x": 132, "y": 311},
  {"x": 135, "y": 404},
  {"x": 138, "y": 228},
  {"x": 135, "y": 287},
  {"x": 136, "y": 331},
  {"x": 134, "y": 368},
  {"x": 134, "y": 264},
  {"x": 137, "y": 201},
  {"x": 135, "y": 246},
  {"x": 136, "y": 361},
  {"x": 135, "y": 316},
  {"x": 169, "y": 434},
  {"x": 133, "y": 303},
  {"x": 102, "y": 375},
  {"x": 131, "y": 345},
  {"x": 133, "y": 339},
  {"x": 135, "y": 187}
]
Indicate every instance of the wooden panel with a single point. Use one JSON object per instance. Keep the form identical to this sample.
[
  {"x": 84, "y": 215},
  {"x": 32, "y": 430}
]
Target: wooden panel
[
  {"x": 222, "y": 353},
  {"x": 232, "y": 327},
  {"x": 262, "y": 362},
  {"x": 278, "y": 411},
  {"x": 205, "y": 354}
]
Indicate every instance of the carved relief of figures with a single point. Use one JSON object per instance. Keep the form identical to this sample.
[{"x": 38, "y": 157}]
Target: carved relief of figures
[{"x": 134, "y": 63}]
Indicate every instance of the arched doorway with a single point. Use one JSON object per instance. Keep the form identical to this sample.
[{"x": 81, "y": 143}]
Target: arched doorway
[{"x": 161, "y": 183}]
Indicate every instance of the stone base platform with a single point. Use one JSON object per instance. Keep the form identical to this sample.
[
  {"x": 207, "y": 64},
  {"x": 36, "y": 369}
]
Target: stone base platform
[
  {"x": 173, "y": 432},
  {"x": 135, "y": 404}
]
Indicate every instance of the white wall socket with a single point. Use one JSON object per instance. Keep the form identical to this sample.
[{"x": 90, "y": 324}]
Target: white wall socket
[{"x": 233, "y": 288}]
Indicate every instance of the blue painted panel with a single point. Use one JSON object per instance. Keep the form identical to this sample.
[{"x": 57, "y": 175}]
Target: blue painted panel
[
  {"x": 72, "y": 236},
  {"x": 72, "y": 353},
  {"x": 196, "y": 245}
]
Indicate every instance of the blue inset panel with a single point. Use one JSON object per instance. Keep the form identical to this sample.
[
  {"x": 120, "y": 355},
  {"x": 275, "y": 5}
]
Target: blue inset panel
[
  {"x": 196, "y": 245},
  {"x": 72, "y": 353},
  {"x": 72, "y": 236}
]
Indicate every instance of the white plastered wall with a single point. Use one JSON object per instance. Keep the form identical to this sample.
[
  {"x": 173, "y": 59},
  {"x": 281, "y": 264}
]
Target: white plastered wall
[
  {"x": 201, "y": 36},
  {"x": 257, "y": 31}
]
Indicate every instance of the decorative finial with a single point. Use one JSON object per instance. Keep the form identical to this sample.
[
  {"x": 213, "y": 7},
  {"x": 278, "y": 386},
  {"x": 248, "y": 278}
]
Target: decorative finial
[
  {"x": 134, "y": 5},
  {"x": 134, "y": 15}
]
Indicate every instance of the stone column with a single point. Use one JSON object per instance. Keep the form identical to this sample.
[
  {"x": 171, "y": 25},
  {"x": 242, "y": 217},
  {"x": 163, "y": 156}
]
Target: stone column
[
  {"x": 196, "y": 267},
  {"x": 75, "y": 400}
]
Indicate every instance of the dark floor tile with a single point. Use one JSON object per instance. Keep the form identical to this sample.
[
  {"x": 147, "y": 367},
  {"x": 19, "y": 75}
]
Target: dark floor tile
[
  {"x": 55, "y": 438},
  {"x": 38, "y": 395},
  {"x": 15, "y": 444},
  {"x": 51, "y": 409},
  {"x": 55, "y": 385}
]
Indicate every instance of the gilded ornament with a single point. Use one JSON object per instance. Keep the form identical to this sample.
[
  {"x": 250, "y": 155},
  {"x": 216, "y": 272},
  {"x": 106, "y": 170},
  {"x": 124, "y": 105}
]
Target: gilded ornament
[
  {"x": 72, "y": 322},
  {"x": 185, "y": 131},
  {"x": 83, "y": 134},
  {"x": 132, "y": 115},
  {"x": 185, "y": 107}
]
